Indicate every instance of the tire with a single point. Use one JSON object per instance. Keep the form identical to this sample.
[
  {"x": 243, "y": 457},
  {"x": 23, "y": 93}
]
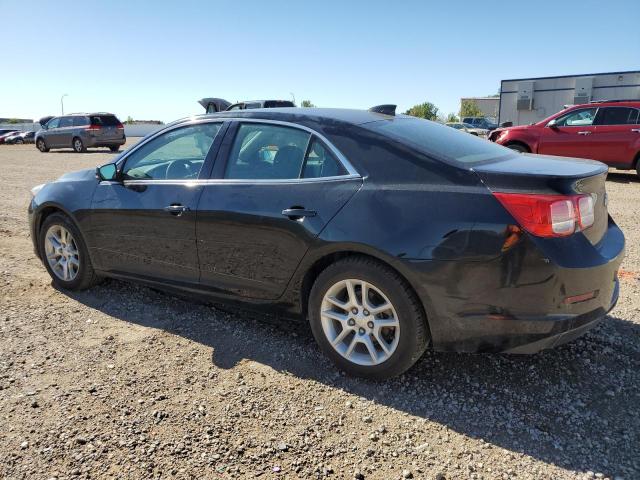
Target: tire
[
  {"x": 638, "y": 164},
  {"x": 85, "y": 276},
  {"x": 78, "y": 145},
  {"x": 407, "y": 342},
  {"x": 19, "y": 141},
  {"x": 518, "y": 147},
  {"x": 40, "y": 145},
  {"x": 115, "y": 149}
]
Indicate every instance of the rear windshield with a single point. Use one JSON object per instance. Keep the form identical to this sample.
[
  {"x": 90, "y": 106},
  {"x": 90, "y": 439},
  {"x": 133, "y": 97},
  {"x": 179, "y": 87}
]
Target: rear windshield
[
  {"x": 104, "y": 120},
  {"x": 278, "y": 103},
  {"x": 439, "y": 141}
]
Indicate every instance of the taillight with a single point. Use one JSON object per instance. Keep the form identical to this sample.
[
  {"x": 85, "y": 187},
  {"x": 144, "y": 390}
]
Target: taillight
[
  {"x": 93, "y": 128},
  {"x": 549, "y": 215},
  {"x": 120, "y": 126}
]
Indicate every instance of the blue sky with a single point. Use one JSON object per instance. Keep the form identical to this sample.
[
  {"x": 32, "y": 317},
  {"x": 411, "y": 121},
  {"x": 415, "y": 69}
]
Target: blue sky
[{"x": 155, "y": 60}]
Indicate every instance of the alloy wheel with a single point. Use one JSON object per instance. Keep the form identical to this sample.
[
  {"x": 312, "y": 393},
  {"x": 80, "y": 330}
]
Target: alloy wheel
[
  {"x": 62, "y": 253},
  {"x": 360, "y": 322},
  {"x": 41, "y": 145},
  {"x": 77, "y": 145}
]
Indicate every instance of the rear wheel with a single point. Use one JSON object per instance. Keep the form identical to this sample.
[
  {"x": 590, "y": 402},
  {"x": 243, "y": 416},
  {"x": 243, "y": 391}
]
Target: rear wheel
[
  {"x": 115, "y": 148},
  {"x": 518, "y": 147},
  {"x": 65, "y": 254},
  {"x": 19, "y": 141},
  {"x": 366, "y": 318},
  {"x": 78, "y": 146},
  {"x": 40, "y": 145}
]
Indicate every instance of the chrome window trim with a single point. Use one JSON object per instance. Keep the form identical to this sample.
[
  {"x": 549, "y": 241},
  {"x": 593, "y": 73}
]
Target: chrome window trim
[
  {"x": 234, "y": 181},
  {"x": 351, "y": 171}
]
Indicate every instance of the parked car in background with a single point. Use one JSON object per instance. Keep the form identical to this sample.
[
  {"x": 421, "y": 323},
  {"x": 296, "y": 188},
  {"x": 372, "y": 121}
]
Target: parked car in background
[
  {"x": 7, "y": 130},
  {"x": 465, "y": 127},
  {"x": 214, "y": 105},
  {"x": 480, "y": 122},
  {"x": 604, "y": 131},
  {"x": 81, "y": 131},
  {"x": 20, "y": 138},
  {"x": 7, "y": 134},
  {"x": 321, "y": 213}
]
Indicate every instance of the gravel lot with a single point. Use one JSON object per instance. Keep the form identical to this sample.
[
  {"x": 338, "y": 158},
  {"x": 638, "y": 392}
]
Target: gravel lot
[{"x": 123, "y": 381}]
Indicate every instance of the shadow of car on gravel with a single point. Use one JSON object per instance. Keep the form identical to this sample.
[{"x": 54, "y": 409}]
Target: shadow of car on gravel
[{"x": 576, "y": 406}]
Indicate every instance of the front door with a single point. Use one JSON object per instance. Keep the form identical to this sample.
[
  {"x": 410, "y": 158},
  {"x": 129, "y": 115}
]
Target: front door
[
  {"x": 144, "y": 225},
  {"x": 618, "y": 132},
  {"x": 276, "y": 191},
  {"x": 571, "y": 135},
  {"x": 64, "y": 132}
]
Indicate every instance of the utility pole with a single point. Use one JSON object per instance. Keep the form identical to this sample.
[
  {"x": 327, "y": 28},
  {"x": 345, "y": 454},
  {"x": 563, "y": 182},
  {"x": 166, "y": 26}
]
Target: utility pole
[{"x": 62, "y": 102}]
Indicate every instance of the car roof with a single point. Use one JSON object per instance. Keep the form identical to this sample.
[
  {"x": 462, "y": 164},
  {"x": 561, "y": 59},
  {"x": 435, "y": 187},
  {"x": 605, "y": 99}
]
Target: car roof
[
  {"x": 609, "y": 103},
  {"x": 296, "y": 114}
]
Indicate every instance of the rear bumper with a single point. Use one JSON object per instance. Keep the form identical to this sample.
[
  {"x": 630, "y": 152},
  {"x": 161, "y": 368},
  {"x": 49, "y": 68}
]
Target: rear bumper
[
  {"x": 522, "y": 301},
  {"x": 103, "y": 142}
]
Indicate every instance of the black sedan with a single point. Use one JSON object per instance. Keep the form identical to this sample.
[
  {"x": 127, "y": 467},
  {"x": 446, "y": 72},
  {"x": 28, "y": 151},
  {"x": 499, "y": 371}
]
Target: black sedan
[
  {"x": 389, "y": 233},
  {"x": 19, "y": 138}
]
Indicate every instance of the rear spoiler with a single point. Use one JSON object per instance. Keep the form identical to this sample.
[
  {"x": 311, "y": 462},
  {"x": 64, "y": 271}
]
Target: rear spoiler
[{"x": 219, "y": 104}]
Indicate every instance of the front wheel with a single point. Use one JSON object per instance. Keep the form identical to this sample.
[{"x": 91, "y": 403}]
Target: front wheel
[
  {"x": 40, "y": 145},
  {"x": 19, "y": 141},
  {"x": 367, "y": 319},
  {"x": 65, "y": 254},
  {"x": 518, "y": 148},
  {"x": 114, "y": 148},
  {"x": 78, "y": 146}
]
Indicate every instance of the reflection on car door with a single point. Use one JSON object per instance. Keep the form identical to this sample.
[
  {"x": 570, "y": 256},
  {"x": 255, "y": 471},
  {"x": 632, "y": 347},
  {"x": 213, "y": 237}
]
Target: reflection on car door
[
  {"x": 145, "y": 225},
  {"x": 51, "y": 134},
  {"x": 617, "y": 134},
  {"x": 571, "y": 136},
  {"x": 259, "y": 217}
]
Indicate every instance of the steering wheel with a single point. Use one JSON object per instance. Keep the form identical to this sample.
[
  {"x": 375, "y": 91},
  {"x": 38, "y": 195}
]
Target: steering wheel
[{"x": 179, "y": 170}]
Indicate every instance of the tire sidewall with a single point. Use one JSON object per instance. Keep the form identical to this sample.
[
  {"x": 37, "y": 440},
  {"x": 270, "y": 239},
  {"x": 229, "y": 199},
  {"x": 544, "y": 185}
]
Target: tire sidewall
[
  {"x": 73, "y": 145},
  {"x": 85, "y": 269},
  {"x": 405, "y": 353},
  {"x": 517, "y": 148},
  {"x": 39, "y": 142}
]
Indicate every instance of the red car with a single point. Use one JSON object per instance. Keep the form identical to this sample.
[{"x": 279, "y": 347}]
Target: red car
[{"x": 606, "y": 131}]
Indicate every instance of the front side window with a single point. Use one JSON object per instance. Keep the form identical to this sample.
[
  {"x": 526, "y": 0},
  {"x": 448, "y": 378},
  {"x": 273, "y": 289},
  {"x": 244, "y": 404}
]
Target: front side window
[
  {"x": 53, "y": 123},
  {"x": 66, "y": 122},
  {"x": 617, "y": 116},
  {"x": 176, "y": 155},
  {"x": 262, "y": 151},
  {"x": 577, "y": 118}
]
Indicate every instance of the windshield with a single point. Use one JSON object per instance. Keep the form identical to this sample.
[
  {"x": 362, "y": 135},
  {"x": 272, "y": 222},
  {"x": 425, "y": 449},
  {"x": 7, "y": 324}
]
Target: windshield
[{"x": 439, "y": 141}]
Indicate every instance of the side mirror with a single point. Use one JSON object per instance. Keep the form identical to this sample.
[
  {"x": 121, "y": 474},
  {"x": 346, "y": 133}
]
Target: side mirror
[
  {"x": 552, "y": 124},
  {"x": 108, "y": 172}
]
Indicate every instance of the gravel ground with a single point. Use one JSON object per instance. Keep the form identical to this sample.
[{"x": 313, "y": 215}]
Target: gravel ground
[{"x": 123, "y": 381}]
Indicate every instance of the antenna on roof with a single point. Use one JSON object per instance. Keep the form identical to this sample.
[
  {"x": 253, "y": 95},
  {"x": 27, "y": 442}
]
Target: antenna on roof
[{"x": 384, "y": 109}]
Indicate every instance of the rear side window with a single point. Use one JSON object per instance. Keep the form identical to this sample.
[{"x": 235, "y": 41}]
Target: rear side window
[
  {"x": 105, "y": 120},
  {"x": 617, "y": 116},
  {"x": 439, "y": 141},
  {"x": 80, "y": 121},
  {"x": 262, "y": 151},
  {"x": 66, "y": 122},
  {"x": 320, "y": 163}
]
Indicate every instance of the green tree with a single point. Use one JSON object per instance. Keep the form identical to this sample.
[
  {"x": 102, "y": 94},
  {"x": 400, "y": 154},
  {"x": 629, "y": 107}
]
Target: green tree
[
  {"x": 307, "y": 104},
  {"x": 469, "y": 108},
  {"x": 424, "y": 110},
  {"x": 14, "y": 121},
  {"x": 129, "y": 119},
  {"x": 452, "y": 118}
]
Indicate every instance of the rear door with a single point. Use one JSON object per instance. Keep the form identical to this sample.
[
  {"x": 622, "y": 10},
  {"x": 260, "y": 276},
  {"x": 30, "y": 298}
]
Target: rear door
[
  {"x": 617, "y": 137},
  {"x": 144, "y": 225},
  {"x": 274, "y": 188},
  {"x": 571, "y": 135},
  {"x": 106, "y": 128}
]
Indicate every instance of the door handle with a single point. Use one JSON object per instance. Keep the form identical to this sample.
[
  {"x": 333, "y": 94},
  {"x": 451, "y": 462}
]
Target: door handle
[
  {"x": 586, "y": 132},
  {"x": 176, "y": 210},
  {"x": 636, "y": 130},
  {"x": 298, "y": 213}
]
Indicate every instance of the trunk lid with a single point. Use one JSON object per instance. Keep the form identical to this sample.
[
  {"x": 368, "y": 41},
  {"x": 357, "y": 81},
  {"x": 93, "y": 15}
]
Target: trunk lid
[{"x": 529, "y": 173}]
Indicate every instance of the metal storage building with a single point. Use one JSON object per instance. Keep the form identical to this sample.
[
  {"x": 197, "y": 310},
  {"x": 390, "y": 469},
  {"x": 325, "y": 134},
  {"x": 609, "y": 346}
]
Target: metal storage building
[{"x": 529, "y": 100}]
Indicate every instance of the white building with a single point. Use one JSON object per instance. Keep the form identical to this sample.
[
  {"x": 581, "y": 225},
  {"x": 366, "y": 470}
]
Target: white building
[
  {"x": 529, "y": 100},
  {"x": 488, "y": 105}
]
